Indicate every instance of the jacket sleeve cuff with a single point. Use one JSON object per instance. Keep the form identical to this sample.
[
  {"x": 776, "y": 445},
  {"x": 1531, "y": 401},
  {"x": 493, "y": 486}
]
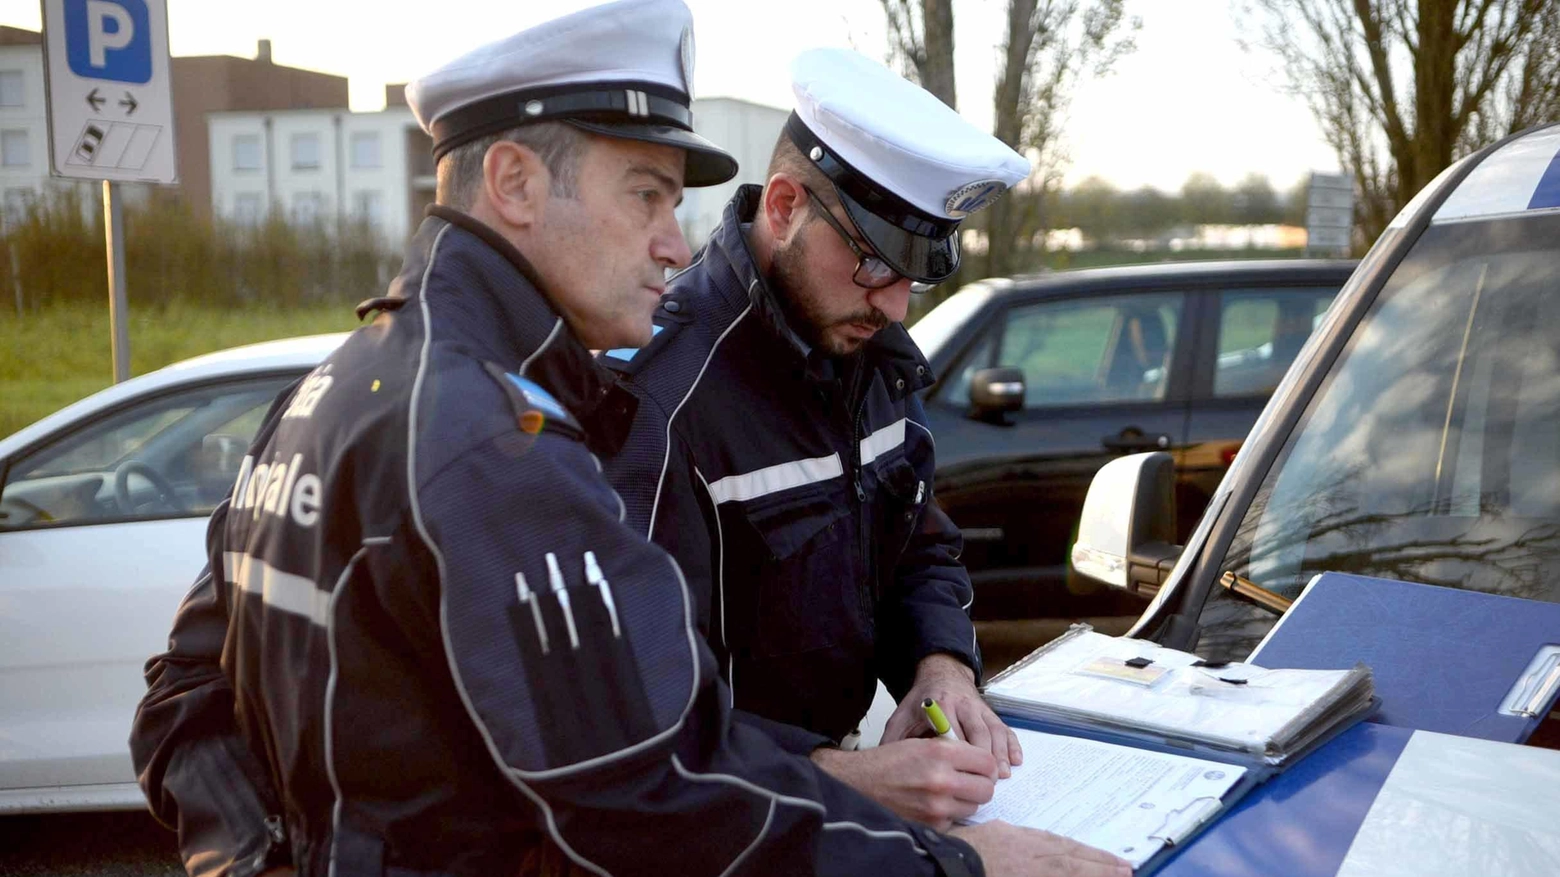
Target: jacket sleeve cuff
[
  {"x": 954, "y": 857},
  {"x": 792, "y": 739}
]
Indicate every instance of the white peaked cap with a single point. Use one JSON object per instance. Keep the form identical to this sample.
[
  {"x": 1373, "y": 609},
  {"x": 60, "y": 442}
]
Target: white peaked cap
[
  {"x": 622, "y": 69},
  {"x": 907, "y": 167}
]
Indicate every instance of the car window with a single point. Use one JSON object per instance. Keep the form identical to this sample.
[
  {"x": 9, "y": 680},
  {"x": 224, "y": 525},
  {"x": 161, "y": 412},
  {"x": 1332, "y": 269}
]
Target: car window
[
  {"x": 1104, "y": 349},
  {"x": 1260, "y": 331},
  {"x": 173, "y": 455},
  {"x": 1431, "y": 452}
]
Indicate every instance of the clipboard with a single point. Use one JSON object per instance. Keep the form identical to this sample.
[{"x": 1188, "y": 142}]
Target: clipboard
[
  {"x": 1183, "y": 832},
  {"x": 1445, "y": 660}
]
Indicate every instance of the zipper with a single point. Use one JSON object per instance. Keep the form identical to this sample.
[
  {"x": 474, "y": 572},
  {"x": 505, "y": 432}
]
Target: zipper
[{"x": 867, "y": 589}]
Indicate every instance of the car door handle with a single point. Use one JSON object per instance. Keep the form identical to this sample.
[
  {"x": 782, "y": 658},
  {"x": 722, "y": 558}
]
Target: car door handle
[{"x": 1133, "y": 440}]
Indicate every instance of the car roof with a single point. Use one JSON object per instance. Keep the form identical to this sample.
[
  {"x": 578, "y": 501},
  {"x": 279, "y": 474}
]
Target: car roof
[
  {"x": 1516, "y": 178},
  {"x": 289, "y": 354},
  {"x": 1182, "y": 273}
]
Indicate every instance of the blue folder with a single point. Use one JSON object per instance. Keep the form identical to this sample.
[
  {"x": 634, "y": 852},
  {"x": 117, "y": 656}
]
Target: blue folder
[{"x": 1442, "y": 659}]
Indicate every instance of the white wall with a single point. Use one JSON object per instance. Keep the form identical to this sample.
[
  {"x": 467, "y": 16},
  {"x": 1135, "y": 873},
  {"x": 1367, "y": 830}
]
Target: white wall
[
  {"x": 335, "y": 186},
  {"x": 746, "y": 130}
]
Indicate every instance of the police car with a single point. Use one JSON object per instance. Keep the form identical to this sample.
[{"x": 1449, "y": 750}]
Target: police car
[
  {"x": 1416, "y": 438},
  {"x": 103, "y": 510}
]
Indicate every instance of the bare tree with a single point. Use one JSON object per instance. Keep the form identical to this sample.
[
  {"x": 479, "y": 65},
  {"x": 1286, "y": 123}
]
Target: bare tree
[
  {"x": 920, "y": 34},
  {"x": 1049, "y": 46},
  {"x": 1403, "y": 87}
]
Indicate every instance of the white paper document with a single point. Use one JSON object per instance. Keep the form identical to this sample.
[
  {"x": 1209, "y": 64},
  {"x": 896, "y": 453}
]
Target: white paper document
[
  {"x": 1082, "y": 677},
  {"x": 1125, "y": 801}
]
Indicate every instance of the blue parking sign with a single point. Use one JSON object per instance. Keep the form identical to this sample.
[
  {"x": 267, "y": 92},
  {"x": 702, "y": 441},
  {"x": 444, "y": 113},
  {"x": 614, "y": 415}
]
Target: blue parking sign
[{"x": 109, "y": 39}]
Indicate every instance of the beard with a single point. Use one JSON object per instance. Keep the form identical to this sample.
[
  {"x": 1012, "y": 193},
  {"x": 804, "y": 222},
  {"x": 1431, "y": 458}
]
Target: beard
[{"x": 806, "y": 308}]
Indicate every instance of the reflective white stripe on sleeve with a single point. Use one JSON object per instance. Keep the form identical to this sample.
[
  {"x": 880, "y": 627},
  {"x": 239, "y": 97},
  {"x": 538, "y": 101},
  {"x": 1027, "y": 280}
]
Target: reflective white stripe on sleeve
[
  {"x": 280, "y": 590},
  {"x": 773, "y": 479},
  {"x": 882, "y": 441}
]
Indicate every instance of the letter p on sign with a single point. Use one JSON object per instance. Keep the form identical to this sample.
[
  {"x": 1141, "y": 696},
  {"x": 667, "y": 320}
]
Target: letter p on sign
[{"x": 109, "y": 39}]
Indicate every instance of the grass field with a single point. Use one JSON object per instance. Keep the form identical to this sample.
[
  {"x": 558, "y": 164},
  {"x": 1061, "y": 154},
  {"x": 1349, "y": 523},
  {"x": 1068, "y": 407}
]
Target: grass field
[{"x": 53, "y": 357}]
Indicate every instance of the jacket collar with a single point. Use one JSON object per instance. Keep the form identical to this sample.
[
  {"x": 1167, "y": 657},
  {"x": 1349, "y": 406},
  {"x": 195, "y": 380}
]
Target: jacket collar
[
  {"x": 506, "y": 317},
  {"x": 891, "y": 351}
]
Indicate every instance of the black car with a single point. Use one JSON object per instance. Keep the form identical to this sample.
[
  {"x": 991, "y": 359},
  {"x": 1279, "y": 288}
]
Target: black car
[{"x": 1045, "y": 379}]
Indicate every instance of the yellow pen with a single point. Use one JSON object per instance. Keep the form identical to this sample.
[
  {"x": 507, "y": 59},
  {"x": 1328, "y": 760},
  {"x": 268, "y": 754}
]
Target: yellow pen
[{"x": 939, "y": 722}]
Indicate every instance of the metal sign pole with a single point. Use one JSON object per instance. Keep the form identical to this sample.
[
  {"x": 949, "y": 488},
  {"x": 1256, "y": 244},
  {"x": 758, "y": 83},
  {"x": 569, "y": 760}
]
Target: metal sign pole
[
  {"x": 118, "y": 303},
  {"x": 108, "y": 82}
]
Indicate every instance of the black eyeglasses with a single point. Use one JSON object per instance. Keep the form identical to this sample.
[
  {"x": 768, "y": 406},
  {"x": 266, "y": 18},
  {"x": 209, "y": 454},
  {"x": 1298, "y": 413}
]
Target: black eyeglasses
[{"x": 871, "y": 271}]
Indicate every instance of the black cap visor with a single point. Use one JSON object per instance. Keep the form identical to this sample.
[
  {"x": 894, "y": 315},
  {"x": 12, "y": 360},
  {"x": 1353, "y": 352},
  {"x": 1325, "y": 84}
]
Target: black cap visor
[
  {"x": 708, "y": 164},
  {"x": 920, "y": 258}
]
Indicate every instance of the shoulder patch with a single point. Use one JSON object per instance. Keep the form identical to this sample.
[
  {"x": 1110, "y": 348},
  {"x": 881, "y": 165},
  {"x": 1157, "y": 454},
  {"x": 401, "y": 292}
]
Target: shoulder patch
[{"x": 535, "y": 409}]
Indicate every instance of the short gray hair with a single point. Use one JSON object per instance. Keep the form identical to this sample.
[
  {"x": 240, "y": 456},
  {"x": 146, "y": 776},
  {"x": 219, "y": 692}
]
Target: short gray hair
[{"x": 558, "y": 144}]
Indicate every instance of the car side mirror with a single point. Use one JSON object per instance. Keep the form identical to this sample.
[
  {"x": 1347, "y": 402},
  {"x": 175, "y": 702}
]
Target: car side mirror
[
  {"x": 996, "y": 391},
  {"x": 1126, "y": 535}
]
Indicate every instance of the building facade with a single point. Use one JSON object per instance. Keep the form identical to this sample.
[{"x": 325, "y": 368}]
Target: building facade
[
  {"x": 200, "y": 84},
  {"x": 24, "y": 125},
  {"x": 204, "y": 84},
  {"x": 318, "y": 166}
]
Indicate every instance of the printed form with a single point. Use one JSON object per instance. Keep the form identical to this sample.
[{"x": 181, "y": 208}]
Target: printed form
[{"x": 1125, "y": 801}]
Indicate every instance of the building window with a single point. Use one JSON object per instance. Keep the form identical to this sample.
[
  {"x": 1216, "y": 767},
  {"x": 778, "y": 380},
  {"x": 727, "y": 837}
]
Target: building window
[
  {"x": 369, "y": 206},
  {"x": 12, "y": 89},
  {"x": 246, "y": 152},
  {"x": 15, "y": 150},
  {"x": 365, "y": 150},
  {"x": 307, "y": 207},
  {"x": 248, "y": 208},
  {"x": 306, "y": 152}
]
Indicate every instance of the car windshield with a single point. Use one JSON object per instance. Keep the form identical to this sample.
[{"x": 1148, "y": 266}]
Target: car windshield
[{"x": 1431, "y": 452}]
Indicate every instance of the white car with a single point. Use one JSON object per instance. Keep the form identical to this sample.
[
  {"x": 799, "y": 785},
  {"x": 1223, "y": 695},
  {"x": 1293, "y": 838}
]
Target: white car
[{"x": 103, "y": 510}]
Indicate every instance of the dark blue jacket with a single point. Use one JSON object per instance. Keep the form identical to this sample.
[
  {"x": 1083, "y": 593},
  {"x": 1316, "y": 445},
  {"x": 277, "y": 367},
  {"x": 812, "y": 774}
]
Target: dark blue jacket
[
  {"x": 800, "y": 487},
  {"x": 404, "y": 661}
]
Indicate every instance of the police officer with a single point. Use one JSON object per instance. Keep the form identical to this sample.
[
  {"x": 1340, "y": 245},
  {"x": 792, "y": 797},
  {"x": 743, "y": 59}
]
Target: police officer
[
  {"x": 781, "y": 451},
  {"x": 426, "y": 643}
]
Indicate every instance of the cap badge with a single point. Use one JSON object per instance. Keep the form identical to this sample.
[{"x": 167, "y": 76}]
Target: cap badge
[
  {"x": 976, "y": 196},
  {"x": 685, "y": 48}
]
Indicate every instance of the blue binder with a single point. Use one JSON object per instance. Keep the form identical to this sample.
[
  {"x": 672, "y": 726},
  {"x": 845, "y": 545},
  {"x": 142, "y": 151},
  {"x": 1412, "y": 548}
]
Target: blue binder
[{"x": 1442, "y": 659}]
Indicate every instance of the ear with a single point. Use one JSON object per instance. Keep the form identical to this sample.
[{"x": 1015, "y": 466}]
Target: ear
[
  {"x": 782, "y": 205},
  {"x": 515, "y": 182}
]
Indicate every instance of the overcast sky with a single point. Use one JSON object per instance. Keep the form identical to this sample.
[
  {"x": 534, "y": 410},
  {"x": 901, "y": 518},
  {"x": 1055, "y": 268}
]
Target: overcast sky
[{"x": 1188, "y": 100}]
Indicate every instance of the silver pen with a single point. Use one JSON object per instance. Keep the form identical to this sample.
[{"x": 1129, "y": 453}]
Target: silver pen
[
  {"x": 555, "y": 575},
  {"x": 594, "y": 576},
  {"x": 536, "y": 610}
]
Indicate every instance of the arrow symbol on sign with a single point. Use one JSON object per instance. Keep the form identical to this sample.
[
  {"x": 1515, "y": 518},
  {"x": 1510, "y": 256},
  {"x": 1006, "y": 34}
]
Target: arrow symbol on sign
[
  {"x": 95, "y": 101},
  {"x": 129, "y": 104}
]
